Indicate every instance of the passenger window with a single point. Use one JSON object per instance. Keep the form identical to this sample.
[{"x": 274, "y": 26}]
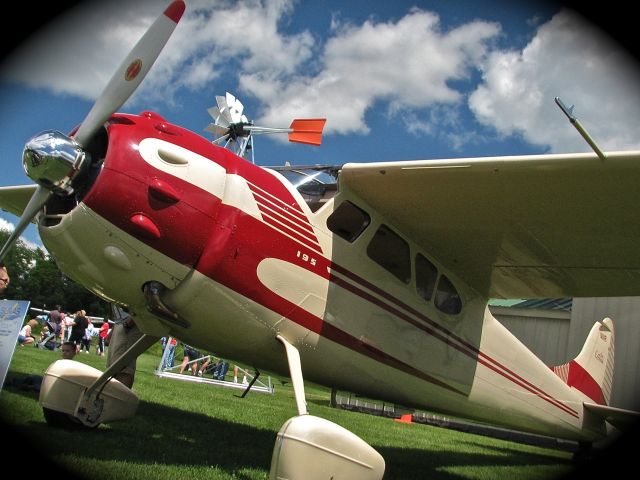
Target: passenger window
[
  {"x": 447, "y": 297},
  {"x": 348, "y": 221},
  {"x": 426, "y": 275},
  {"x": 392, "y": 253}
]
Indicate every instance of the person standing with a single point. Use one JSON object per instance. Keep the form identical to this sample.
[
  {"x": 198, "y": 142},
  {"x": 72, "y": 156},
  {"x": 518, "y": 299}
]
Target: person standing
[
  {"x": 55, "y": 320},
  {"x": 170, "y": 354},
  {"x": 80, "y": 324},
  {"x": 86, "y": 338},
  {"x": 103, "y": 333}
]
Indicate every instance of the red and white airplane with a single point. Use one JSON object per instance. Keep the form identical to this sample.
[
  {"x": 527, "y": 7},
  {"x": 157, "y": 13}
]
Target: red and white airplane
[{"x": 377, "y": 283}]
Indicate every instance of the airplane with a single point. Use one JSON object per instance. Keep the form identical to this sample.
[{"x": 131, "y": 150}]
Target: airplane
[{"x": 368, "y": 277}]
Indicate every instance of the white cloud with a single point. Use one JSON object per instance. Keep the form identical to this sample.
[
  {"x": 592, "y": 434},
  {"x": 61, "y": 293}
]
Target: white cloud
[
  {"x": 411, "y": 66},
  {"x": 408, "y": 64},
  {"x": 573, "y": 60},
  {"x": 6, "y": 225},
  {"x": 78, "y": 54},
  {"x": 210, "y": 37}
]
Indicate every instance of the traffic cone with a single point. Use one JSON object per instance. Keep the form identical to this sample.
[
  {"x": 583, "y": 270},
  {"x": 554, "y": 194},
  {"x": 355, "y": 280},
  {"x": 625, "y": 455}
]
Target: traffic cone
[{"x": 408, "y": 418}]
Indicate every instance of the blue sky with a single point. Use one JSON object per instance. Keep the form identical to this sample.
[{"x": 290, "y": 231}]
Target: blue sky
[{"x": 396, "y": 80}]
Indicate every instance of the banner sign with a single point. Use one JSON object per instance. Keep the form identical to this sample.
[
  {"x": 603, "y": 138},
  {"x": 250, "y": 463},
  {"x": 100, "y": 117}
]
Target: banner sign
[{"x": 12, "y": 315}]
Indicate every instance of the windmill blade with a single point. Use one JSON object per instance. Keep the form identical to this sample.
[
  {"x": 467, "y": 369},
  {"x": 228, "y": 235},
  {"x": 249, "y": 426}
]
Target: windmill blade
[
  {"x": 223, "y": 109},
  {"x": 217, "y": 116},
  {"x": 131, "y": 72},
  {"x": 307, "y": 130},
  {"x": 235, "y": 108},
  {"x": 217, "y": 130}
]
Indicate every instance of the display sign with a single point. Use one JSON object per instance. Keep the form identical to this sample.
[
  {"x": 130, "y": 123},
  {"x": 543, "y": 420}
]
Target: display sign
[{"x": 12, "y": 315}]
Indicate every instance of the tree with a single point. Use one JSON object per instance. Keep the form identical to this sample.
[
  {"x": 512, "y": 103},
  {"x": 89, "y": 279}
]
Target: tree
[{"x": 36, "y": 277}]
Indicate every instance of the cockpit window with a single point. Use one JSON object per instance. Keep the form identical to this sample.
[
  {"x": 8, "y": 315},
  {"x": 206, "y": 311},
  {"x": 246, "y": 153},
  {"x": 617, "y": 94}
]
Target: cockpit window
[
  {"x": 426, "y": 275},
  {"x": 447, "y": 297},
  {"x": 391, "y": 252},
  {"x": 348, "y": 221},
  {"x": 315, "y": 184}
]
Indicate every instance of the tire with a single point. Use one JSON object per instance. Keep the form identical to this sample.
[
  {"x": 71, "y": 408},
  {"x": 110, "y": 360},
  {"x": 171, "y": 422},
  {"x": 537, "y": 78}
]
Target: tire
[{"x": 64, "y": 420}]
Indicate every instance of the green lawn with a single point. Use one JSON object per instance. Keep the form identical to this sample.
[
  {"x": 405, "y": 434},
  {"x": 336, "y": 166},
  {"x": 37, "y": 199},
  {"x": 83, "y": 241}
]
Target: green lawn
[{"x": 196, "y": 431}]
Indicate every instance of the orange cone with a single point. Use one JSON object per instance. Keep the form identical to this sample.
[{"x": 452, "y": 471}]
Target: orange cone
[{"x": 408, "y": 418}]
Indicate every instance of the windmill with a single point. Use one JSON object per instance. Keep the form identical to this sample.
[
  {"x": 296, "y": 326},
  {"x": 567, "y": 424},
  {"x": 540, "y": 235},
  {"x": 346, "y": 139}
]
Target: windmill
[{"x": 234, "y": 131}]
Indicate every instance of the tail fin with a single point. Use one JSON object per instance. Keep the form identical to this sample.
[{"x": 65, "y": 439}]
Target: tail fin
[{"x": 591, "y": 372}]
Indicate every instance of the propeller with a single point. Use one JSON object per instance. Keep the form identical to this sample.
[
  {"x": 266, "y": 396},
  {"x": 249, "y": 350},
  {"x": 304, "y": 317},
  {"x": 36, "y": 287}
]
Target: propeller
[
  {"x": 232, "y": 127},
  {"x": 52, "y": 159}
]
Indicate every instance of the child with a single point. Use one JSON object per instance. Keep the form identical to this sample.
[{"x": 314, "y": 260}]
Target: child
[{"x": 68, "y": 350}]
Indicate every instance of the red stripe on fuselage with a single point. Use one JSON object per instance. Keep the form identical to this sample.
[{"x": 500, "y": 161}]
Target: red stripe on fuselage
[
  {"x": 244, "y": 277},
  {"x": 438, "y": 332}
]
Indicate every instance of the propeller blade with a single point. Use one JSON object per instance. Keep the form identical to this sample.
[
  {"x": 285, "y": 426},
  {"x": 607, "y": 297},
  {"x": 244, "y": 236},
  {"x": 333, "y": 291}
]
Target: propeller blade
[
  {"x": 131, "y": 72},
  {"x": 37, "y": 201},
  {"x": 307, "y": 130}
]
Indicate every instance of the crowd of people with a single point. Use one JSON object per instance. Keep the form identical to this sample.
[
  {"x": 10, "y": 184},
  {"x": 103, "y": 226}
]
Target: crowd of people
[
  {"x": 198, "y": 364},
  {"x": 57, "y": 327}
]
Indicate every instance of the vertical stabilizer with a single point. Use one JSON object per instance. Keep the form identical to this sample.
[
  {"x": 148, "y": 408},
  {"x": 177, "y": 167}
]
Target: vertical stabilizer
[{"x": 591, "y": 372}]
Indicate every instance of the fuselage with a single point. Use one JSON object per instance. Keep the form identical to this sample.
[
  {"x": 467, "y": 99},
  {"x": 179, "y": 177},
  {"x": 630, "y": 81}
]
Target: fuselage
[{"x": 244, "y": 259}]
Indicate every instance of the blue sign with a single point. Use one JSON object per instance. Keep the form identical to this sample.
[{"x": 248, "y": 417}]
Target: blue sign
[{"x": 12, "y": 315}]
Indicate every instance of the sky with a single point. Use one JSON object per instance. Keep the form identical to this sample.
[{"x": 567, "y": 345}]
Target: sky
[{"x": 397, "y": 80}]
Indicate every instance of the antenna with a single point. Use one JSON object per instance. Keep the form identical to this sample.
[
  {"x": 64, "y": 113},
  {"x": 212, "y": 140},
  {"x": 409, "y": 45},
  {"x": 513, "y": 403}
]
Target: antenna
[{"x": 568, "y": 111}]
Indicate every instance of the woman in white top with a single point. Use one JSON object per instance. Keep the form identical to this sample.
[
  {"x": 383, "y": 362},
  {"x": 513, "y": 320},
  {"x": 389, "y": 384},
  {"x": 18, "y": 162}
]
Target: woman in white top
[{"x": 25, "y": 337}]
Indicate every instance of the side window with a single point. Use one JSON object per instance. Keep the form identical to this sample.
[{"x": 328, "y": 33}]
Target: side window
[
  {"x": 426, "y": 275},
  {"x": 447, "y": 297},
  {"x": 348, "y": 221},
  {"x": 392, "y": 253}
]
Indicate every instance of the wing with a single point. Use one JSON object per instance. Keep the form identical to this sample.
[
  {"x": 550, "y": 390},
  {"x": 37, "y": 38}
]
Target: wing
[
  {"x": 517, "y": 227},
  {"x": 15, "y": 199}
]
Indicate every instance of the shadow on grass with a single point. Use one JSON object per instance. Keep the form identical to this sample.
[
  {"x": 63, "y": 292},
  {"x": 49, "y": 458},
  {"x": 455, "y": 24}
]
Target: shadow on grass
[
  {"x": 415, "y": 463},
  {"x": 162, "y": 435},
  {"x": 170, "y": 436}
]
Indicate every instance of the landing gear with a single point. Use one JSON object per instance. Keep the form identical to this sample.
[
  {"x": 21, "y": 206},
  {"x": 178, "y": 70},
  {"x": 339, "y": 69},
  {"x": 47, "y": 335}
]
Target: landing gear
[
  {"x": 74, "y": 395},
  {"x": 314, "y": 448}
]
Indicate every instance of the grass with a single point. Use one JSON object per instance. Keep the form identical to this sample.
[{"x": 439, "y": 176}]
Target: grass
[{"x": 193, "y": 431}]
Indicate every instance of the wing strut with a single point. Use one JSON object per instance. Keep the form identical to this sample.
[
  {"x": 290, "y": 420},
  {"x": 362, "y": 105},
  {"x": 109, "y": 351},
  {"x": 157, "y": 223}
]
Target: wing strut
[{"x": 295, "y": 369}]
